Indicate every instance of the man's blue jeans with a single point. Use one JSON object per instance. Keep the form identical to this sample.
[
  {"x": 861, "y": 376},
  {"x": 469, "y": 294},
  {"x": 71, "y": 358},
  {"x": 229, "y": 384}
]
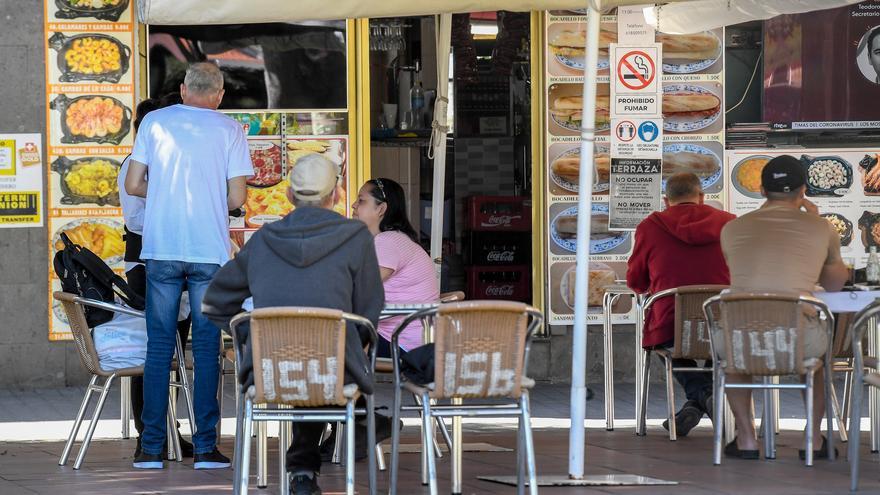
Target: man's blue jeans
[{"x": 165, "y": 281}]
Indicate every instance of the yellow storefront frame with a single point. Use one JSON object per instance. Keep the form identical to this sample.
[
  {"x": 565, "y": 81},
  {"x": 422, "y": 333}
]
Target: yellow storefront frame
[{"x": 358, "y": 92}]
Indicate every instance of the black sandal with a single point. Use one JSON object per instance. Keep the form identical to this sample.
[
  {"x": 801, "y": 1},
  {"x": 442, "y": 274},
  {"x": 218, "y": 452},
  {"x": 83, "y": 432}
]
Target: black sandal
[
  {"x": 731, "y": 450},
  {"x": 822, "y": 453}
]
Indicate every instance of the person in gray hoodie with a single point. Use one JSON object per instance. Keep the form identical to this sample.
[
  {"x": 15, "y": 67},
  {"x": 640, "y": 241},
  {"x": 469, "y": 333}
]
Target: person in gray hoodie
[{"x": 312, "y": 257}]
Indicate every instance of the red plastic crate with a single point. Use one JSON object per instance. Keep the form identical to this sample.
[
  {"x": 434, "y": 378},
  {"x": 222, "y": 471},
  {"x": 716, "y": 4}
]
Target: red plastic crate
[
  {"x": 499, "y": 213},
  {"x": 511, "y": 283}
]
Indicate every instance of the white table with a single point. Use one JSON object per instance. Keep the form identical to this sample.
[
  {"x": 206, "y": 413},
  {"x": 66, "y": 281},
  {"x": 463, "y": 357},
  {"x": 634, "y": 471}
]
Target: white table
[{"x": 852, "y": 302}]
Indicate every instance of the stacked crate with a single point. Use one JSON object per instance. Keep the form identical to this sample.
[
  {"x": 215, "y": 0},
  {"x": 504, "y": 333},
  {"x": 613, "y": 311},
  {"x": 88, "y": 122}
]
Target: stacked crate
[{"x": 497, "y": 246}]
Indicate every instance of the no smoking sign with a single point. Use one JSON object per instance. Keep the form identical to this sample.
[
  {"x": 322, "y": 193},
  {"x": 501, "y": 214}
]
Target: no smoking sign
[{"x": 635, "y": 69}]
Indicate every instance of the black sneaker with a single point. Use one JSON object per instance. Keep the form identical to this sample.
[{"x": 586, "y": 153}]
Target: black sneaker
[
  {"x": 211, "y": 460},
  {"x": 148, "y": 461},
  {"x": 302, "y": 484},
  {"x": 687, "y": 418},
  {"x": 137, "y": 449}
]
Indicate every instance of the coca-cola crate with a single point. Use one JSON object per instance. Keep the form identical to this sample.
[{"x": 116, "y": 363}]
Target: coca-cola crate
[
  {"x": 499, "y": 213},
  {"x": 501, "y": 248},
  {"x": 511, "y": 283}
]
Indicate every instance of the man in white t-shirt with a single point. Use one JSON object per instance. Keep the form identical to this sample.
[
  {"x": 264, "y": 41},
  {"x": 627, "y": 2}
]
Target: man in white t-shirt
[{"x": 190, "y": 162}]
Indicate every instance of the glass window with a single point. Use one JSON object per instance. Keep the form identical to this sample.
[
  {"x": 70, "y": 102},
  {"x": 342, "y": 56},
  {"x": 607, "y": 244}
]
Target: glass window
[{"x": 265, "y": 66}]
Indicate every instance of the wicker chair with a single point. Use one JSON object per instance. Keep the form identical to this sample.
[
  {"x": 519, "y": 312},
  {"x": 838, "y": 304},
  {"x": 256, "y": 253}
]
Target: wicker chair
[
  {"x": 691, "y": 342},
  {"x": 74, "y": 308},
  {"x": 481, "y": 352},
  {"x": 764, "y": 336},
  {"x": 865, "y": 319},
  {"x": 300, "y": 343}
]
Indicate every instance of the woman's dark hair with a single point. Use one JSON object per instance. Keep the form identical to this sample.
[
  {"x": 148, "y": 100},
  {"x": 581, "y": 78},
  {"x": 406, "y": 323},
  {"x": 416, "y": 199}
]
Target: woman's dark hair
[
  {"x": 391, "y": 193},
  {"x": 169, "y": 99},
  {"x": 143, "y": 109}
]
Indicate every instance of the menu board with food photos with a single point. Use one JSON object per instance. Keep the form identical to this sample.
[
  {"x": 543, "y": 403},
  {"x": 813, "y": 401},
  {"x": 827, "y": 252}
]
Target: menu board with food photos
[
  {"x": 693, "y": 140},
  {"x": 90, "y": 101},
  {"x": 843, "y": 183},
  {"x": 277, "y": 140}
]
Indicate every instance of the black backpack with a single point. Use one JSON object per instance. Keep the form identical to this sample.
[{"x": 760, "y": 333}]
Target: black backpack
[{"x": 83, "y": 273}]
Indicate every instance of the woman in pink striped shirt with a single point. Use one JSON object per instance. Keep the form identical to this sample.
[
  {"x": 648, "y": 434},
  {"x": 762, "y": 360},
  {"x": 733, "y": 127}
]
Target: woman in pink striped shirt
[{"x": 407, "y": 271}]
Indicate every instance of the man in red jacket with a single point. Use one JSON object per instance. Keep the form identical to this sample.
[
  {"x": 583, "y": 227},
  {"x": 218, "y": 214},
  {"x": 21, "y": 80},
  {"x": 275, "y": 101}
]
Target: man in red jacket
[{"x": 676, "y": 247}]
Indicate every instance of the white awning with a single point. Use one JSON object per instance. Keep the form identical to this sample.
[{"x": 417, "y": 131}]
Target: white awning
[
  {"x": 693, "y": 16},
  {"x": 188, "y": 12}
]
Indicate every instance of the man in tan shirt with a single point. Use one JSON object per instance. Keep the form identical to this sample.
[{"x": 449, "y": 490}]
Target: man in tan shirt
[{"x": 784, "y": 246}]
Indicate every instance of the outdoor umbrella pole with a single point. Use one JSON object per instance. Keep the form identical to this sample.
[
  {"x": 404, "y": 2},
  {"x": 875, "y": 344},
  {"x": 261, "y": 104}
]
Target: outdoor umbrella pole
[
  {"x": 439, "y": 129},
  {"x": 579, "y": 338}
]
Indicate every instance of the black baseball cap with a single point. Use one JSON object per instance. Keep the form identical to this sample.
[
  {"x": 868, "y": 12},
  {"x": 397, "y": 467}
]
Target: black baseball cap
[{"x": 783, "y": 174}]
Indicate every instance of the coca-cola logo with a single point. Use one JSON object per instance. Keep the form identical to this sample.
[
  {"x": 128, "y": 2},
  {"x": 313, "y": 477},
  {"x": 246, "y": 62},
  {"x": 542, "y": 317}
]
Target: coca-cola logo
[
  {"x": 499, "y": 290},
  {"x": 500, "y": 256},
  {"x": 500, "y": 220}
]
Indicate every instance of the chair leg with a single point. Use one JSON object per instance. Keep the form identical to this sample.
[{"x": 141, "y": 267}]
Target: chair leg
[
  {"x": 718, "y": 397},
  {"x": 185, "y": 385},
  {"x": 830, "y": 411},
  {"x": 239, "y": 443},
  {"x": 456, "y": 451},
  {"x": 349, "y": 448},
  {"x": 285, "y": 428},
  {"x": 93, "y": 423},
  {"x": 530, "y": 445},
  {"x": 426, "y": 442},
  {"x": 855, "y": 428},
  {"x": 65, "y": 454},
  {"x": 839, "y": 414},
  {"x": 847, "y": 395},
  {"x": 670, "y": 400},
  {"x": 767, "y": 423},
  {"x": 338, "y": 445},
  {"x": 262, "y": 454},
  {"x": 520, "y": 459},
  {"x": 371, "y": 440},
  {"x": 395, "y": 441},
  {"x": 125, "y": 406},
  {"x": 243, "y": 471},
  {"x": 380, "y": 458},
  {"x": 171, "y": 436},
  {"x": 641, "y": 424},
  {"x": 220, "y": 383},
  {"x": 810, "y": 419}
]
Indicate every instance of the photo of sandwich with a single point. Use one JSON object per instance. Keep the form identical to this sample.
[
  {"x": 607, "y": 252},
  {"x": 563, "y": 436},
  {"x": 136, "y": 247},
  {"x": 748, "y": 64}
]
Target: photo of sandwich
[
  {"x": 563, "y": 231},
  {"x": 699, "y": 164},
  {"x": 689, "y": 53},
  {"x": 689, "y": 108},
  {"x": 565, "y": 170},
  {"x": 695, "y": 158},
  {"x": 567, "y": 42},
  {"x": 567, "y": 111},
  {"x": 697, "y": 105}
]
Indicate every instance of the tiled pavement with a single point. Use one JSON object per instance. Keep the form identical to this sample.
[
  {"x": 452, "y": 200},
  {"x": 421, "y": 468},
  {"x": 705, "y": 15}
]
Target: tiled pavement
[{"x": 29, "y": 467}]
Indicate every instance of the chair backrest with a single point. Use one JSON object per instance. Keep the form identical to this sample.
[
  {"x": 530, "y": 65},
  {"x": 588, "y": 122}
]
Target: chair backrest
[
  {"x": 763, "y": 333},
  {"x": 82, "y": 337},
  {"x": 298, "y": 356},
  {"x": 691, "y": 329},
  {"x": 481, "y": 348},
  {"x": 868, "y": 317}
]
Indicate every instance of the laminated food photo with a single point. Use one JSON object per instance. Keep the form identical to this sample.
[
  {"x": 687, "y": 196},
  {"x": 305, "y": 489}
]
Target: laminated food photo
[
  {"x": 93, "y": 57},
  {"x": 89, "y": 10},
  {"x": 99, "y": 119},
  {"x": 86, "y": 180}
]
